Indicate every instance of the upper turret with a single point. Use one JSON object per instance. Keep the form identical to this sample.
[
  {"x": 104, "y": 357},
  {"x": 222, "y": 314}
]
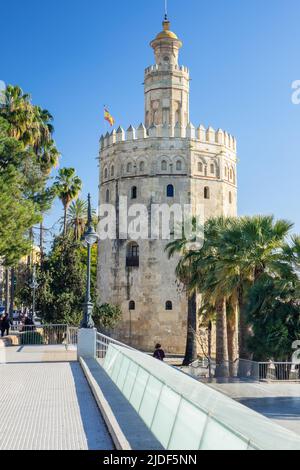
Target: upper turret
[{"x": 166, "y": 83}]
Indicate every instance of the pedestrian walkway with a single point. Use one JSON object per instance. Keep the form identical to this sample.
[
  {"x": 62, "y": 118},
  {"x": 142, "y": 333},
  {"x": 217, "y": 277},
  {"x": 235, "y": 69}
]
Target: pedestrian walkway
[
  {"x": 26, "y": 354},
  {"x": 48, "y": 406}
]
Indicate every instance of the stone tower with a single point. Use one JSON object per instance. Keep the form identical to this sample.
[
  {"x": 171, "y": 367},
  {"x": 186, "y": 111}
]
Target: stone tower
[{"x": 164, "y": 161}]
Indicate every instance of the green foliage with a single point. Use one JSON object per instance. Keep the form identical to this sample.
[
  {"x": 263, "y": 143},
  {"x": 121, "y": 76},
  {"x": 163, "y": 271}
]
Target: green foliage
[
  {"x": 68, "y": 186},
  {"x": 17, "y": 213},
  {"x": 27, "y": 155},
  {"x": 274, "y": 313},
  {"x": 252, "y": 263},
  {"x": 61, "y": 279},
  {"x": 77, "y": 217},
  {"x": 106, "y": 316}
]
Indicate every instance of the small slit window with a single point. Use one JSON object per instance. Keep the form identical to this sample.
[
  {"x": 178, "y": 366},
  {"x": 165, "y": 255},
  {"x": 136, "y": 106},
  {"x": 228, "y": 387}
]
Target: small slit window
[
  {"x": 106, "y": 173},
  {"x": 134, "y": 192},
  {"x": 129, "y": 167},
  {"x": 132, "y": 305},
  {"x": 169, "y": 305},
  {"x": 170, "y": 190},
  {"x": 112, "y": 171},
  {"x": 142, "y": 166},
  {"x": 200, "y": 167},
  {"x": 178, "y": 165},
  {"x": 230, "y": 197},
  {"x": 107, "y": 196},
  {"x": 212, "y": 169},
  {"x": 206, "y": 193}
]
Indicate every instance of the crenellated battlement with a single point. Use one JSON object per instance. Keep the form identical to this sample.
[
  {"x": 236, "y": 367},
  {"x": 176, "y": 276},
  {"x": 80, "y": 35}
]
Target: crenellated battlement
[
  {"x": 169, "y": 68},
  {"x": 199, "y": 134}
]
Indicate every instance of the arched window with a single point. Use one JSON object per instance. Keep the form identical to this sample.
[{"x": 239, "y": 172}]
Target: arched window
[
  {"x": 206, "y": 192},
  {"x": 212, "y": 169},
  {"x": 142, "y": 166},
  {"x": 129, "y": 167},
  {"x": 231, "y": 174},
  {"x": 107, "y": 196},
  {"x": 169, "y": 305},
  {"x": 132, "y": 305},
  {"x": 170, "y": 190},
  {"x": 106, "y": 173},
  {"x": 112, "y": 171},
  {"x": 178, "y": 165},
  {"x": 134, "y": 192},
  {"x": 230, "y": 197},
  {"x": 226, "y": 172},
  {"x": 200, "y": 167},
  {"x": 133, "y": 255},
  {"x": 164, "y": 165}
]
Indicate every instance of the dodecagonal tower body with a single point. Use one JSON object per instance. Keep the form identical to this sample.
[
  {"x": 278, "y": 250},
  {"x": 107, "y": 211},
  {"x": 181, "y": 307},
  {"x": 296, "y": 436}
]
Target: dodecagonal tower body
[{"x": 166, "y": 160}]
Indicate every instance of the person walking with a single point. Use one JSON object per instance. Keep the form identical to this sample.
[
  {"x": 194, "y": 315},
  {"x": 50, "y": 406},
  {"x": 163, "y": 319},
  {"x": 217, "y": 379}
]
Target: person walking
[
  {"x": 159, "y": 353},
  {"x": 5, "y": 325}
]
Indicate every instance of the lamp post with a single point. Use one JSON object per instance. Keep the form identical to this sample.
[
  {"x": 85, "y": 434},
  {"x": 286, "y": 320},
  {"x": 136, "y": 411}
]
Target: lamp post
[{"x": 90, "y": 237}]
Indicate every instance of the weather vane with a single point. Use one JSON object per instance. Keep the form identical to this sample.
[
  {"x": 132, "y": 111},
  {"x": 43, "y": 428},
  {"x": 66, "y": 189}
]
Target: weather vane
[{"x": 166, "y": 9}]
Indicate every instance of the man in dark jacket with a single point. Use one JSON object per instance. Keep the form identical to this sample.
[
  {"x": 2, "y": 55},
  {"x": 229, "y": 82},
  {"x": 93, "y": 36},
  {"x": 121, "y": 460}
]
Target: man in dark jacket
[
  {"x": 4, "y": 325},
  {"x": 159, "y": 353}
]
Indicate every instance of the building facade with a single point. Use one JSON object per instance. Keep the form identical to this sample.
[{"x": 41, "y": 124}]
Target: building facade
[{"x": 168, "y": 161}]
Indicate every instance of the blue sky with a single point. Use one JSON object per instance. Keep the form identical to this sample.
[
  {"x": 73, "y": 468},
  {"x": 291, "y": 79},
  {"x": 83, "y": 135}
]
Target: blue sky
[{"x": 74, "y": 56}]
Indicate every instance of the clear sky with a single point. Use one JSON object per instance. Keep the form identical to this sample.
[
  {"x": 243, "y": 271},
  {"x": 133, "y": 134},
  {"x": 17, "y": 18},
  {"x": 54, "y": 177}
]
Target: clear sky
[{"x": 73, "y": 56}]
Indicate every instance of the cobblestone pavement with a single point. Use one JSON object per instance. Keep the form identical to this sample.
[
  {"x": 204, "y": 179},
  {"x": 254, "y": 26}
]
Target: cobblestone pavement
[{"x": 49, "y": 406}]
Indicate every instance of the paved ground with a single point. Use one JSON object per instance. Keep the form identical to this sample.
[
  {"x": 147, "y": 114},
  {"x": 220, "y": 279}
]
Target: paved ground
[
  {"x": 48, "y": 406},
  {"x": 277, "y": 401},
  {"x": 21, "y": 354}
]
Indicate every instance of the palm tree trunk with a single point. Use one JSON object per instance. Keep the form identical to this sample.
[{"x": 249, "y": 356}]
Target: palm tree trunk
[
  {"x": 65, "y": 220},
  {"x": 209, "y": 349},
  {"x": 244, "y": 330},
  {"x": 233, "y": 339},
  {"x": 191, "y": 354},
  {"x": 222, "y": 369}
]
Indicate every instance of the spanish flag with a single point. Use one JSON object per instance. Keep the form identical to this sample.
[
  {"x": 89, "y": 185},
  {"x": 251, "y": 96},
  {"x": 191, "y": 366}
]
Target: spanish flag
[{"x": 108, "y": 117}]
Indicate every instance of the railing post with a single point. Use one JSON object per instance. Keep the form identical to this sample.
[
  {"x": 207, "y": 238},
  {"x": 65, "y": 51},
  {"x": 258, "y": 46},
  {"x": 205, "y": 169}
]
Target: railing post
[{"x": 87, "y": 342}]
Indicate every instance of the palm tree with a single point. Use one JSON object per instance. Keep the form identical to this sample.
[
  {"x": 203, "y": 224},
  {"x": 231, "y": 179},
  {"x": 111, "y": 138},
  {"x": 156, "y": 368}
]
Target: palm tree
[
  {"x": 196, "y": 270},
  {"x": 32, "y": 126},
  {"x": 19, "y": 112},
  {"x": 68, "y": 186},
  {"x": 206, "y": 277},
  {"x": 48, "y": 156},
  {"x": 183, "y": 273},
  {"x": 77, "y": 218},
  {"x": 251, "y": 246}
]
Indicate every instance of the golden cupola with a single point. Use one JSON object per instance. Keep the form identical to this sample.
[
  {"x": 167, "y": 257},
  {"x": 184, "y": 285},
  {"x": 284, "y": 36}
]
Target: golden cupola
[{"x": 166, "y": 45}]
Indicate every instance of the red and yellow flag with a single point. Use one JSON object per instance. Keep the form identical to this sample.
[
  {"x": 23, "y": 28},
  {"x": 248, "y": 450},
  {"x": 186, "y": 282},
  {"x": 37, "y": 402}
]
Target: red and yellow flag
[{"x": 108, "y": 117}]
